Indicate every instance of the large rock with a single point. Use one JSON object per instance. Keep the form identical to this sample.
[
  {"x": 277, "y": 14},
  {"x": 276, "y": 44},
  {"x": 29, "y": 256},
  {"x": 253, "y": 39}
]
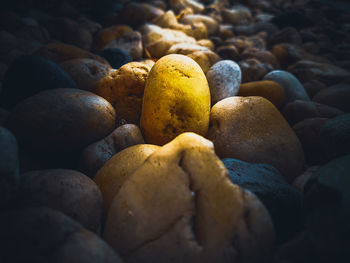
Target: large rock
[
  {"x": 203, "y": 224},
  {"x": 253, "y": 130},
  {"x": 281, "y": 200}
]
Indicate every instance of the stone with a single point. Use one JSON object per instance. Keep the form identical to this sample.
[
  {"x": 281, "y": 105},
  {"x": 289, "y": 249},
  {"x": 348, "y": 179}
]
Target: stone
[
  {"x": 335, "y": 136},
  {"x": 200, "y": 226},
  {"x": 313, "y": 87},
  {"x": 67, "y": 191},
  {"x": 60, "y": 52},
  {"x": 210, "y": 23},
  {"x": 307, "y": 70},
  {"x": 255, "y": 28},
  {"x": 176, "y": 99},
  {"x": 228, "y": 52},
  {"x": 97, "y": 154},
  {"x": 292, "y": 18},
  {"x": 178, "y": 5},
  {"x": 108, "y": 34},
  {"x": 61, "y": 120},
  {"x": 327, "y": 204},
  {"x": 9, "y": 167},
  {"x": 185, "y": 48},
  {"x": 45, "y": 235},
  {"x": 205, "y": 59},
  {"x": 36, "y": 33},
  {"x": 117, "y": 170},
  {"x": 237, "y": 15},
  {"x": 124, "y": 89},
  {"x": 293, "y": 89},
  {"x": 335, "y": 96},
  {"x": 251, "y": 129},
  {"x": 267, "y": 89},
  {"x": 283, "y": 202},
  {"x": 29, "y": 75},
  {"x": 157, "y": 40},
  {"x": 116, "y": 57},
  {"x": 300, "y": 182},
  {"x": 285, "y": 35},
  {"x": 131, "y": 42},
  {"x": 308, "y": 132},
  {"x": 85, "y": 72},
  {"x": 264, "y": 56},
  {"x": 88, "y": 24},
  {"x": 253, "y": 69},
  {"x": 299, "y": 110},
  {"x": 224, "y": 79}
]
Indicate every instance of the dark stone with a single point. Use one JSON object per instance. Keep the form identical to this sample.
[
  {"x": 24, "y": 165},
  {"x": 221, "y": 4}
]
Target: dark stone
[
  {"x": 116, "y": 57},
  {"x": 327, "y": 211},
  {"x": 335, "y": 136},
  {"x": 29, "y": 75},
  {"x": 281, "y": 200},
  {"x": 292, "y": 18}
]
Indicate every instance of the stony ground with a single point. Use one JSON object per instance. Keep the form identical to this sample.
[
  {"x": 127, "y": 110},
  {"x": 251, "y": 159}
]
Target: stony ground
[{"x": 175, "y": 131}]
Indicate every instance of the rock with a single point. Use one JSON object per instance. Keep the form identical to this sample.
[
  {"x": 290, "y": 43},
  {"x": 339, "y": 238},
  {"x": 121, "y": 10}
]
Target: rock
[
  {"x": 45, "y": 235},
  {"x": 307, "y": 70},
  {"x": 253, "y": 69},
  {"x": 157, "y": 40},
  {"x": 313, "y": 87},
  {"x": 30, "y": 33},
  {"x": 200, "y": 227},
  {"x": 283, "y": 202},
  {"x": 29, "y": 75},
  {"x": 327, "y": 204},
  {"x": 293, "y": 89},
  {"x": 60, "y": 52},
  {"x": 292, "y": 18},
  {"x": 91, "y": 26},
  {"x": 176, "y": 99},
  {"x": 131, "y": 42},
  {"x": 335, "y": 136},
  {"x": 255, "y": 28},
  {"x": 205, "y": 59},
  {"x": 85, "y": 72},
  {"x": 237, "y": 15},
  {"x": 3, "y": 116},
  {"x": 251, "y": 129},
  {"x": 67, "y": 191},
  {"x": 116, "y": 57},
  {"x": 185, "y": 48},
  {"x": 267, "y": 89},
  {"x": 178, "y": 5},
  {"x": 124, "y": 89},
  {"x": 224, "y": 79},
  {"x": 9, "y": 167},
  {"x": 308, "y": 132},
  {"x": 228, "y": 52},
  {"x": 211, "y": 25},
  {"x": 117, "y": 170},
  {"x": 286, "y": 35},
  {"x": 61, "y": 120},
  {"x": 264, "y": 56},
  {"x": 108, "y": 34},
  {"x": 300, "y": 182},
  {"x": 299, "y": 110},
  {"x": 3, "y": 69},
  {"x": 335, "y": 96},
  {"x": 97, "y": 154}
]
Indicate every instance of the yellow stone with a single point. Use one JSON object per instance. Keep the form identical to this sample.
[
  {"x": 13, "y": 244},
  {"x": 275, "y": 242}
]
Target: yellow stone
[
  {"x": 117, "y": 169},
  {"x": 176, "y": 100}
]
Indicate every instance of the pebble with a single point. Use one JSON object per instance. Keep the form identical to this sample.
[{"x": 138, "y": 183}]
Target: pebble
[
  {"x": 335, "y": 96},
  {"x": 97, "y": 154},
  {"x": 293, "y": 89},
  {"x": 116, "y": 57},
  {"x": 210, "y": 23},
  {"x": 29, "y": 75},
  {"x": 124, "y": 88},
  {"x": 253, "y": 69},
  {"x": 9, "y": 167},
  {"x": 267, "y": 89},
  {"x": 299, "y": 110},
  {"x": 67, "y": 191},
  {"x": 327, "y": 204},
  {"x": 108, "y": 34},
  {"x": 205, "y": 59},
  {"x": 77, "y": 119},
  {"x": 40, "y": 234},
  {"x": 224, "y": 79},
  {"x": 176, "y": 99},
  {"x": 283, "y": 202},
  {"x": 166, "y": 174},
  {"x": 251, "y": 129},
  {"x": 85, "y": 72}
]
